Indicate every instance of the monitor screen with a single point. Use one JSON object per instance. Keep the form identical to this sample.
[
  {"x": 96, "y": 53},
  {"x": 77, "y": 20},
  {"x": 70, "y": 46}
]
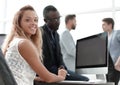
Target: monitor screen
[{"x": 91, "y": 52}]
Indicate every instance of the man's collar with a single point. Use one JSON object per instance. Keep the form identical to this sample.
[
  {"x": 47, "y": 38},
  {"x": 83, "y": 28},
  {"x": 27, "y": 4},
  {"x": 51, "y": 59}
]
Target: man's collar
[{"x": 49, "y": 29}]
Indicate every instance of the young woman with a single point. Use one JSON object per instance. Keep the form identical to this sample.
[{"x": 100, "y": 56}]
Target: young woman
[{"x": 22, "y": 49}]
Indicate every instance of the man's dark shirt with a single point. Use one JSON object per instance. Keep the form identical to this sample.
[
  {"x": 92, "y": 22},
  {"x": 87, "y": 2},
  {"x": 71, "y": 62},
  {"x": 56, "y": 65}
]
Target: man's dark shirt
[{"x": 52, "y": 56}]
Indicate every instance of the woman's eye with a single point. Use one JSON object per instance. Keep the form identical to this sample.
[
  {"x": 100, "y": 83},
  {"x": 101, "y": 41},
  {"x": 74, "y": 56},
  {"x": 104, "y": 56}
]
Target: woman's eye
[
  {"x": 36, "y": 20},
  {"x": 27, "y": 20}
]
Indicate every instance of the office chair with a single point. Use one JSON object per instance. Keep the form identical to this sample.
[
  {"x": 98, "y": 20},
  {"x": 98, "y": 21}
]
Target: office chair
[{"x": 6, "y": 77}]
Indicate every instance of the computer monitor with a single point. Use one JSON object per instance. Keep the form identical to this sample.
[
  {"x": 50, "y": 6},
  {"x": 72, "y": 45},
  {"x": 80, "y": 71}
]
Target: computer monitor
[
  {"x": 2, "y": 37},
  {"x": 92, "y": 55}
]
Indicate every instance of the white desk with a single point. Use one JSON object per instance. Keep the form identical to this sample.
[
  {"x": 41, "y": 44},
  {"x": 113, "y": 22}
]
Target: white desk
[
  {"x": 75, "y": 83},
  {"x": 86, "y": 83}
]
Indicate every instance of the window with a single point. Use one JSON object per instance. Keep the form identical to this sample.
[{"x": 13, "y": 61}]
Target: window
[{"x": 89, "y": 13}]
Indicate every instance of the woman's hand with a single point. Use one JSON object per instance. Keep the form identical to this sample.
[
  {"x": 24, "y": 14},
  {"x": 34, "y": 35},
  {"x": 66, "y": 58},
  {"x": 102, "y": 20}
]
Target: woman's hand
[{"x": 62, "y": 72}]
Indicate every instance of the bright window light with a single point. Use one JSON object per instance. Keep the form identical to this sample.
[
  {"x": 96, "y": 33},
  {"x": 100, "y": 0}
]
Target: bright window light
[{"x": 89, "y": 13}]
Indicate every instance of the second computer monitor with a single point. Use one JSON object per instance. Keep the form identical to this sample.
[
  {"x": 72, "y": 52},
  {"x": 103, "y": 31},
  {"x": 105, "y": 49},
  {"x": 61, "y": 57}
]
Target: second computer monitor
[{"x": 92, "y": 55}]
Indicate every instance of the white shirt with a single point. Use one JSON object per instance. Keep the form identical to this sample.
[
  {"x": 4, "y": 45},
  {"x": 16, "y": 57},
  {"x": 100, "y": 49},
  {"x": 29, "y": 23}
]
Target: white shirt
[
  {"x": 68, "y": 49},
  {"x": 23, "y": 73}
]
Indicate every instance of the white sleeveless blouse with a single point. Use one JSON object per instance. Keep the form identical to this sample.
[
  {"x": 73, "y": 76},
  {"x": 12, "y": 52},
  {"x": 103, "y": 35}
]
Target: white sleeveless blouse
[{"x": 22, "y": 72}]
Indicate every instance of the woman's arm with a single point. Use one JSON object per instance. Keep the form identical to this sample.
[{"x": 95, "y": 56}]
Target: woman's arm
[{"x": 31, "y": 55}]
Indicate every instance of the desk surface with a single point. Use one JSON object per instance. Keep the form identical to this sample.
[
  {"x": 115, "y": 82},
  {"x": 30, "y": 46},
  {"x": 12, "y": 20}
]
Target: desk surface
[
  {"x": 85, "y": 82},
  {"x": 75, "y": 83}
]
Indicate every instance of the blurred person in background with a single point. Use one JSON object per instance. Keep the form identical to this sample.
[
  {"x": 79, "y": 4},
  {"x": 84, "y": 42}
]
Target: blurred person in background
[
  {"x": 113, "y": 49},
  {"x": 53, "y": 58},
  {"x": 67, "y": 43}
]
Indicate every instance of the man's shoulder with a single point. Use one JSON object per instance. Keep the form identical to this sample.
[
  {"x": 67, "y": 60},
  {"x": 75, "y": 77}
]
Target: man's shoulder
[
  {"x": 117, "y": 34},
  {"x": 118, "y": 31},
  {"x": 43, "y": 28},
  {"x": 65, "y": 33}
]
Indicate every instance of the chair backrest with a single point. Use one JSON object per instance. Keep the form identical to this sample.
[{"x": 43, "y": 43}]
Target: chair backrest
[
  {"x": 6, "y": 77},
  {"x": 2, "y": 37}
]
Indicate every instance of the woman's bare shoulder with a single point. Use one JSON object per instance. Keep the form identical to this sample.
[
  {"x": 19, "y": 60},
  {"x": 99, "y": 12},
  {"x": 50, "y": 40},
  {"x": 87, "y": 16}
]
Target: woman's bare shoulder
[{"x": 25, "y": 44}]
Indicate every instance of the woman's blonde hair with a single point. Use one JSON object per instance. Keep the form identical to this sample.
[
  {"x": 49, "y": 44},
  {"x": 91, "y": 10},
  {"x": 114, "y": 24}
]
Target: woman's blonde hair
[{"x": 16, "y": 29}]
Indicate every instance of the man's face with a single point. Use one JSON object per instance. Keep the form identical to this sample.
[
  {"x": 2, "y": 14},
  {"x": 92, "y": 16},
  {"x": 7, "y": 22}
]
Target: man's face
[
  {"x": 106, "y": 27},
  {"x": 53, "y": 20},
  {"x": 73, "y": 24}
]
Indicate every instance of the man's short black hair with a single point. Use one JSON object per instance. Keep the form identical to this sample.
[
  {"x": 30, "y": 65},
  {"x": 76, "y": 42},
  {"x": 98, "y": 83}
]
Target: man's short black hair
[
  {"x": 109, "y": 21},
  {"x": 47, "y": 9},
  {"x": 69, "y": 17}
]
